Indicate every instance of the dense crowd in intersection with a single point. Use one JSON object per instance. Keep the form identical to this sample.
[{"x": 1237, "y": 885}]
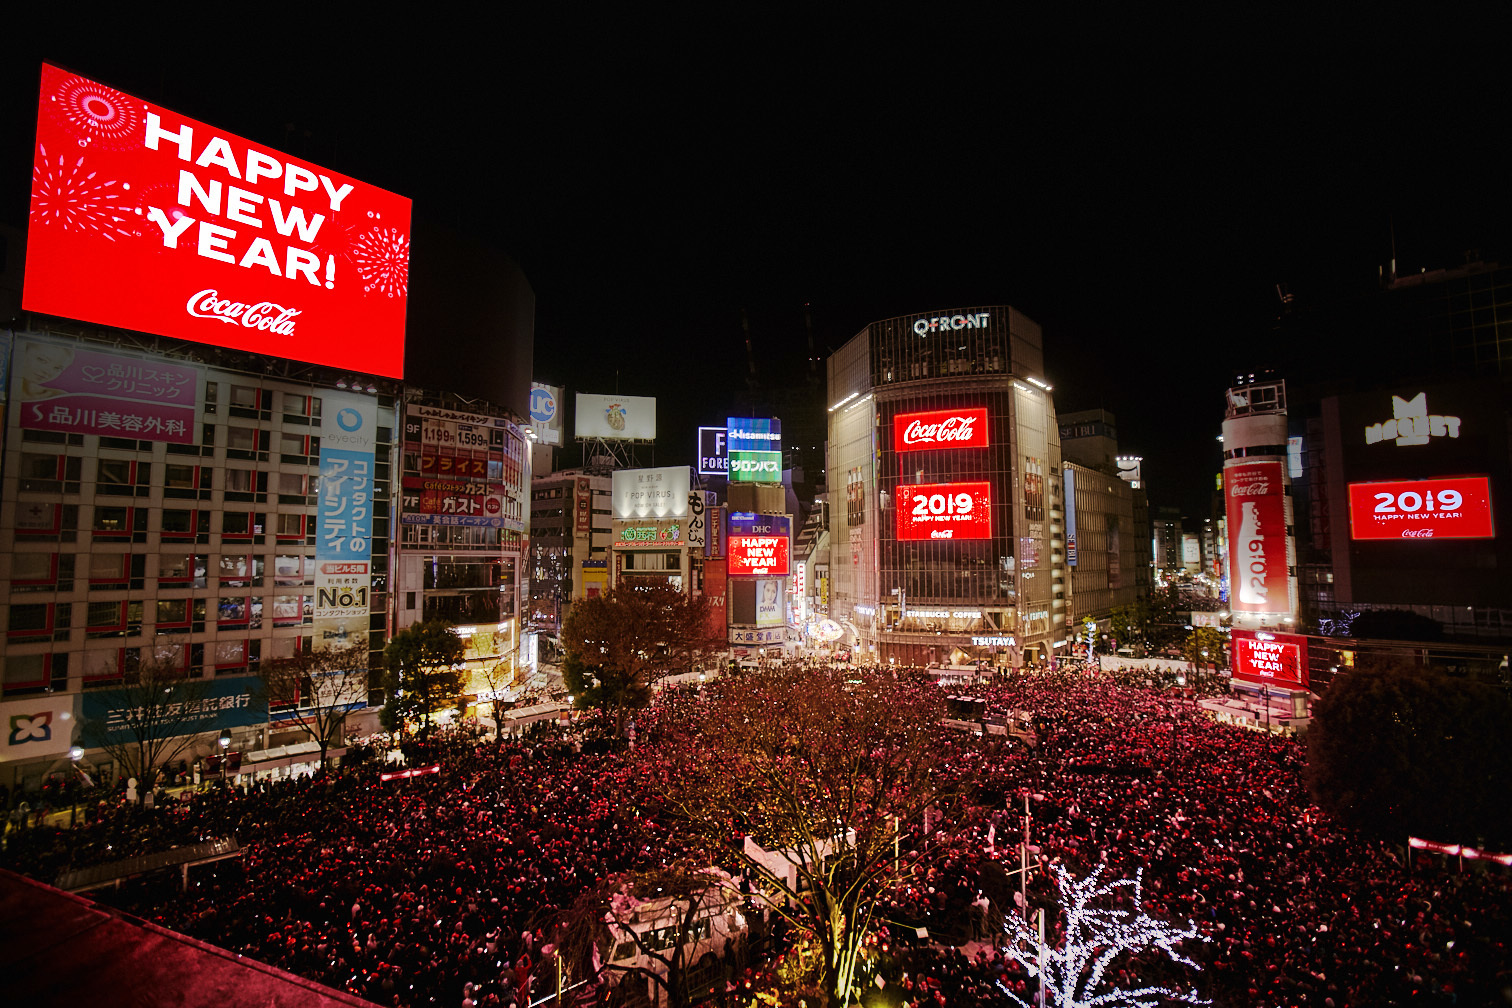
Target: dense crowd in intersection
[{"x": 441, "y": 890}]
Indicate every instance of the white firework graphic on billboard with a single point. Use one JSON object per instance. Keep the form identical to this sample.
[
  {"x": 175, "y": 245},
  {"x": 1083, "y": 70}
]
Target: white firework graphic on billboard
[
  {"x": 382, "y": 258},
  {"x": 99, "y": 114},
  {"x": 69, "y": 195}
]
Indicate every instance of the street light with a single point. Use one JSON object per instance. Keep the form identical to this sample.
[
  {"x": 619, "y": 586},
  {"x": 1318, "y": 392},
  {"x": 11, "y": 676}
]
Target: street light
[{"x": 75, "y": 754}]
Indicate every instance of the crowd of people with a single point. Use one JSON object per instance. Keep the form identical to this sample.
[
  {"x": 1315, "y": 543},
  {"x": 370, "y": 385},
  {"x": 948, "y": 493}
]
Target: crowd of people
[{"x": 443, "y": 889}]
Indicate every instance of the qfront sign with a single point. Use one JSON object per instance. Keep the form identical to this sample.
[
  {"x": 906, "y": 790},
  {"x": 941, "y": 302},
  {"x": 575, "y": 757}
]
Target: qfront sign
[
  {"x": 944, "y": 511},
  {"x": 145, "y": 219},
  {"x": 941, "y": 323},
  {"x": 960, "y": 428},
  {"x": 1422, "y": 509}
]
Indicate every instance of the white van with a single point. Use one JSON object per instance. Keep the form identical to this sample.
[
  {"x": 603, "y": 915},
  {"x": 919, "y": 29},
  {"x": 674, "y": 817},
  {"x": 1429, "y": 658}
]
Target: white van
[{"x": 655, "y": 926}]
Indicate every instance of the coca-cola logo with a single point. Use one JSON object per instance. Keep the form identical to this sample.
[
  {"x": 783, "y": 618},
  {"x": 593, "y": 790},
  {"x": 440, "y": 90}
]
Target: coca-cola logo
[
  {"x": 956, "y": 428},
  {"x": 262, "y": 315},
  {"x": 959, "y": 427}
]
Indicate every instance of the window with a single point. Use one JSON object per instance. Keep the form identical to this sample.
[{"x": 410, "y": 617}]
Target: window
[
  {"x": 244, "y": 395},
  {"x": 241, "y": 524},
  {"x": 106, "y": 614},
  {"x": 239, "y": 480},
  {"x": 293, "y": 444},
  {"x": 291, "y": 570},
  {"x": 185, "y": 570},
  {"x": 172, "y": 611},
  {"x": 294, "y": 484},
  {"x": 112, "y": 520},
  {"x": 239, "y": 570},
  {"x": 29, "y": 619},
  {"x": 241, "y": 438},
  {"x": 229, "y": 654},
  {"x": 290, "y": 526},
  {"x": 300, "y": 405},
  {"x": 46, "y": 473},
  {"x": 108, "y": 567},
  {"x": 113, "y": 471},
  {"x": 233, "y": 610},
  {"x": 290, "y": 610},
  {"x": 36, "y": 568},
  {"x": 180, "y": 477},
  {"x": 102, "y": 665},
  {"x": 25, "y": 671},
  {"x": 180, "y": 524}
]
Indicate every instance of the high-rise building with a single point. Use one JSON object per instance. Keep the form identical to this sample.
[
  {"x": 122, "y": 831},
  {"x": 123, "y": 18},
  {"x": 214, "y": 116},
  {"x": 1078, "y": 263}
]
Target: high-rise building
[{"x": 951, "y": 543}]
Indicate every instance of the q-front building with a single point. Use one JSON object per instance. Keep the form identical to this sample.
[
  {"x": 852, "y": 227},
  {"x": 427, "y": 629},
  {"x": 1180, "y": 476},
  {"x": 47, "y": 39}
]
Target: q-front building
[{"x": 951, "y": 545}]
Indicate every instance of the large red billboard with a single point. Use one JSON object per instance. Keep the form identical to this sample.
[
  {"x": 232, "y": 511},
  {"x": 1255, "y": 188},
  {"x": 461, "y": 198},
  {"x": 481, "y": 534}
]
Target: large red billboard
[
  {"x": 1255, "y": 504},
  {"x": 145, "y": 219},
  {"x": 1269, "y": 659},
  {"x": 953, "y": 428},
  {"x": 1422, "y": 509},
  {"x": 758, "y": 554},
  {"x": 944, "y": 511}
]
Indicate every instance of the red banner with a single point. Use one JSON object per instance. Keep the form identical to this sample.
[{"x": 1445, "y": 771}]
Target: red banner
[
  {"x": 145, "y": 219},
  {"x": 1269, "y": 659},
  {"x": 716, "y": 589},
  {"x": 944, "y": 511},
  {"x": 1255, "y": 502},
  {"x": 1422, "y": 509},
  {"x": 758, "y": 554},
  {"x": 584, "y": 506},
  {"x": 959, "y": 428}
]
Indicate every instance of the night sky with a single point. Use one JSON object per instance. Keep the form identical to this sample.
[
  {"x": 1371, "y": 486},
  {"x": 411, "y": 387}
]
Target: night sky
[{"x": 1136, "y": 188}]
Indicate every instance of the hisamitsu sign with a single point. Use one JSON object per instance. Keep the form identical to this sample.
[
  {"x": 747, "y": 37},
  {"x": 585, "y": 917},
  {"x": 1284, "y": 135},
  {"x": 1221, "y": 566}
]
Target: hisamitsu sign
[{"x": 149, "y": 220}]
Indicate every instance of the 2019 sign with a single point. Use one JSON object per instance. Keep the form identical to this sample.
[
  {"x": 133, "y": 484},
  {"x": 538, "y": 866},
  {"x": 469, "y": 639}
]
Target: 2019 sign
[
  {"x": 1422, "y": 509},
  {"x": 145, "y": 219},
  {"x": 944, "y": 511}
]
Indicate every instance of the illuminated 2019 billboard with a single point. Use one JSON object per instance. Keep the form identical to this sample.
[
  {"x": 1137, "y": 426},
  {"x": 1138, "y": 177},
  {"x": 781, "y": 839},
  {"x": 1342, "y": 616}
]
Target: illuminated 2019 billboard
[
  {"x": 1422, "y": 509},
  {"x": 1255, "y": 505},
  {"x": 145, "y": 219},
  {"x": 953, "y": 428},
  {"x": 944, "y": 511},
  {"x": 1269, "y": 659}
]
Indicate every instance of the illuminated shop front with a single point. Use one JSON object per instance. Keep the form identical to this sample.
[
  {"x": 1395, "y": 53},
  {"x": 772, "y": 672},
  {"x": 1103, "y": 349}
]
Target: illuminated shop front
[{"x": 950, "y": 546}]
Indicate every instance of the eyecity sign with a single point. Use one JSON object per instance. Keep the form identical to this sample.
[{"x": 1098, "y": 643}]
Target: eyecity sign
[
  {"x": 939, "y": 323},
  {"x": 959, "y": 428},
  {"x": 145, "y": 219}
]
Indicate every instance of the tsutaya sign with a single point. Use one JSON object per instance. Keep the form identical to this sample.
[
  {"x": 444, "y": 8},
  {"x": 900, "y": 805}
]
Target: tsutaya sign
[
  {"x": 1412, "y": 424},
  {"x": 925, "y": 326}
]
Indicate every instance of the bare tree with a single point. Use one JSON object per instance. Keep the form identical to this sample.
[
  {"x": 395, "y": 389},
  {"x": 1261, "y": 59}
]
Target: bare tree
[
  {"x": 1095, "y": 938},
  {"x": 497, "y": 678},
  {"x": 821, "y": 769},
  {"x": 313, "y": 691},
  {"x": 155, "y": 715}
]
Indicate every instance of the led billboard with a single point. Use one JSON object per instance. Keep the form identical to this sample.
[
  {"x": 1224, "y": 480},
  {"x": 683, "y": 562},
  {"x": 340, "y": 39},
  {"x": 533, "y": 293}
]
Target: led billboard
[
  {"x": 755, "y": 466},
  {"x": 1255, "y": 505},
  {"x": 145, "y": 219},
  {"x": 1421, "y": 509},
  {"x": 755, "y": 554},
  {"x": 754, "y": 434},
  {"x": 615, "y": 417},
  {"x": 713, "y": 452},
  {"x": 944, "y": 511},
  {"x": 1269, "y": 659},
  {"x": 953, "y": 428}
]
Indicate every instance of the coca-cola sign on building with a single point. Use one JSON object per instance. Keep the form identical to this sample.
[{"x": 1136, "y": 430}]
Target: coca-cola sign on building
[{"x": 953, "y": 428}]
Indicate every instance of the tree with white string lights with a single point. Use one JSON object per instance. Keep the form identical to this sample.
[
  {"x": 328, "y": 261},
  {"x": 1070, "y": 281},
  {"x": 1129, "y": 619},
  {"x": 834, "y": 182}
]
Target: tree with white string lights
[{"x": 1071, "y": 970}]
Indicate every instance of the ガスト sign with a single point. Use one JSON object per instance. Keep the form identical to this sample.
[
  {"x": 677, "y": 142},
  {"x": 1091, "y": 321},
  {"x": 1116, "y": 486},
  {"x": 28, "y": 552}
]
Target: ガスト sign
[{"x": 144, "y": 219}]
